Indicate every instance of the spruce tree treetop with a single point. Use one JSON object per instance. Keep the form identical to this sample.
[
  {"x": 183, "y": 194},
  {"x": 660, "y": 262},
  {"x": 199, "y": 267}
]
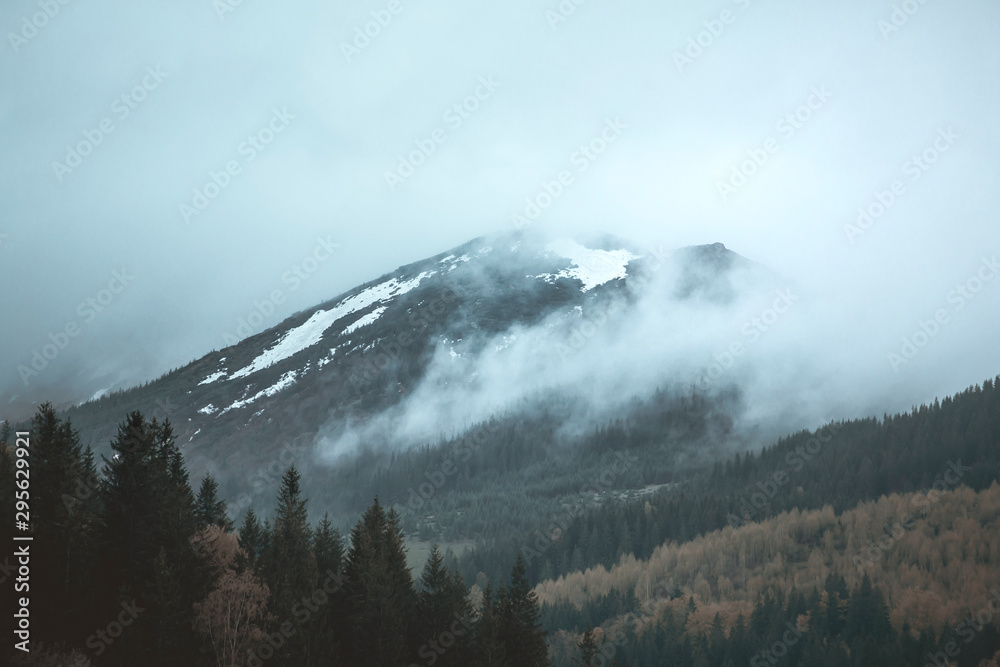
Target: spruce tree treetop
[
  {"x": 523, "y": 636},
  {"x": 209, "y": 508},
  {"x": 328, "y": 547}
]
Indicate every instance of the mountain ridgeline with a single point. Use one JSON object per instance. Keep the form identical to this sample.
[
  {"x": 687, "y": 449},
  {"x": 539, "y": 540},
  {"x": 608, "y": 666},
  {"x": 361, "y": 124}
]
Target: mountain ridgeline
[{"x": 497, "y": 331}]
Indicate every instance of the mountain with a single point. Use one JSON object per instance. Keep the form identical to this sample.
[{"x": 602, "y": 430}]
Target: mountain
[
  {"x": 582, "y": 409},
  {"x": 485, "y": 329}
]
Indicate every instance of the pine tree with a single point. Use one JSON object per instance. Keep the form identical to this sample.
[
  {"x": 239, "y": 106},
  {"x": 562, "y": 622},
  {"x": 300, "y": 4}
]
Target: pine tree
[
  {"x": 251, "y": 541},
  {"x": 328, "y": 547},
  {"x": 444, "y": 615},
  {"x": 56, "y": 465},
  {"x": 145, "y": 547},
  {"x": 588, "y": 649},
  {"x": 488, "y": 647},
  {"x": 209, "y": 508},
  {"x": 523, "y": 637},
  {"x": 291, "y": 567},
  {"x": 379, "y": 591},
  {"x": 326, "y": 630}
]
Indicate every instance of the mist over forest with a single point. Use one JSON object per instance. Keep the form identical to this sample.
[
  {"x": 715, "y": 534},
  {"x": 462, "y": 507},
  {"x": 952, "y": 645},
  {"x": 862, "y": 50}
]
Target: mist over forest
[{"x": 518, "y": 335}]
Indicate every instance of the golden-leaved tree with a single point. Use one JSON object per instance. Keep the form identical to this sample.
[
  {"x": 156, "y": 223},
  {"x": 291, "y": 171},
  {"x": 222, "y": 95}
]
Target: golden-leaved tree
[{"x": 233, "y": 615}]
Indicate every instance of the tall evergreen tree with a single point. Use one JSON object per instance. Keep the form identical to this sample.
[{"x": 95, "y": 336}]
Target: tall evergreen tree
[
  {"x": 523, "y": 637},
  {"x": 209, "y": 508},
  {"x": 380, "y": 597},
  {"x": 251, "y": 541},
  {"x": 327, "y": 633},
  {"x": 444, "y": 615},
  {"x": 488, "y": 647},
  {"x": 291, "y": 567},
  {"x": 328, "y": 547},
  {"x": 145, "y": 548},
  {"x": 588, "y": 649},
  {"x": 56, "y": 465},
  {"x": 85, "y": 514}
]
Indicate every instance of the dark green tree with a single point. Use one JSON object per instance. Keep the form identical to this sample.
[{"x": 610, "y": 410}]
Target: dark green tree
[
  {"x": 380, "y": 597},
  {"x": 251, "y": 541},
  {"x": 209, "y": 508},
  {"x": 488, "y": 647},
  {"x": 444, "y": 615},
  {"x": 56, "y": 467},
  {"x": 291, "y": 568},
  {"x": 523, "y": 636},
  {"x": 326, "y": 630},
  {"x": 588, "y": 649},
  {"x": 146, "y": 535}
]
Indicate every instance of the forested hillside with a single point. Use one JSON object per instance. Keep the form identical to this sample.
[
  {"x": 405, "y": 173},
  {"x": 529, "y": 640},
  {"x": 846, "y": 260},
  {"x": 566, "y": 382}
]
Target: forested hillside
[
  {"x": 841, "y": 465},
  {"x": 868, "y": 542}
]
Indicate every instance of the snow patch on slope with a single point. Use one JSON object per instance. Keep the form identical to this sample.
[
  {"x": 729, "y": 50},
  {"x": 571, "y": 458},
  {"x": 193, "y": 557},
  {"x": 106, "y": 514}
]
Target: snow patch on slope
[
  {"x": 364, "y": 321},
  {"x": 311, "y": 331},
  {"x": 213, "y": 377},
  {"x": 590, "y": 267},
  {"x": 325, "y": 360},
  {"x": 287, "y": 380}
]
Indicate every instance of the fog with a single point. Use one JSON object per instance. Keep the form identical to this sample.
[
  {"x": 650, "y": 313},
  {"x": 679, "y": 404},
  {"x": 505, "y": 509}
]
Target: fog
[
  {"x": 797, "y": 356},
  {"x": 804, "y": 113}
]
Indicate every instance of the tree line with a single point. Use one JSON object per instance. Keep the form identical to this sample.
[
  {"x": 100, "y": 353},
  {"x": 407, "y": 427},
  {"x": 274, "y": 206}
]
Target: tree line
[
  {"x": 131, "y": 567},
  {"x": 841, "y": 464}
]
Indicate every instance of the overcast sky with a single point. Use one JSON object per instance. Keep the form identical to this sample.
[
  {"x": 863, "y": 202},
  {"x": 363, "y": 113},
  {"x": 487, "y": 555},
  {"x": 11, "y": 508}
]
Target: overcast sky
[{"x": 184, "y": 86}]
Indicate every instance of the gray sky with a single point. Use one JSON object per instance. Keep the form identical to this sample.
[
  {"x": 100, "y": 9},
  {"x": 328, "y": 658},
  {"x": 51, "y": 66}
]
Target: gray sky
[{"x": 337, "y": 120}]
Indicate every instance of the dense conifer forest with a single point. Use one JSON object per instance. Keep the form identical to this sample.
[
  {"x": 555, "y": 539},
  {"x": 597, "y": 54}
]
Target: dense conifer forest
[
  {"x": 131, "y": 567},
  {"x": 865, "y": 542}
]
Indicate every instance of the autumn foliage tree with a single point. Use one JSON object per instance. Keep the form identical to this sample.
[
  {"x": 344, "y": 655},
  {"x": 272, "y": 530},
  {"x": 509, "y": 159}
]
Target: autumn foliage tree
[{"x": 235, "y": 613}]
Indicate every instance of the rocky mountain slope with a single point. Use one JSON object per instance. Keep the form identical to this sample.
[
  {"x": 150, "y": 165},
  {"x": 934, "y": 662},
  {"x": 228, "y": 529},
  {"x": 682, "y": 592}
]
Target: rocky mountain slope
[{"x": 416, "y": 354}]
